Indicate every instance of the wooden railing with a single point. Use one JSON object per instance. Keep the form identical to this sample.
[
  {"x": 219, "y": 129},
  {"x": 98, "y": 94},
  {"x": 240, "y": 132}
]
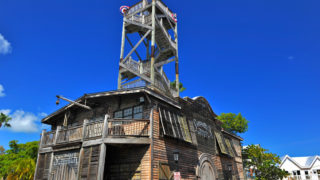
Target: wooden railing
[
  {"x": 48, "y": 138},
  {"x": 69, "y": 135},
  {"x": 94, "y": 130},
  {"x": 128, "y": 127},
  {"x": 114, "y": 128}
]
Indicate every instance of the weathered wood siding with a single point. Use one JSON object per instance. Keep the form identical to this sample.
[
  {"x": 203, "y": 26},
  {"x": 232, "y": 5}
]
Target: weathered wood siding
[
  {"x": 128, "y": 162},
  {"x": 163, "y": 153},
  {"x": 65, "y": 165},
  {"x": 89, "y": 163},
  {"x": 43, "y": 166}
]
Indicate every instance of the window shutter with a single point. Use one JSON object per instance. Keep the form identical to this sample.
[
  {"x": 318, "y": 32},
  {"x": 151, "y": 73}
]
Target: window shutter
[{"x": 219, "y": 138}]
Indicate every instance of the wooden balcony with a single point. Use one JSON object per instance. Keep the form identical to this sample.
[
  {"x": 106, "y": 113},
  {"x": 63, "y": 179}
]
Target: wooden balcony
[{"x": 112, "y": 131}]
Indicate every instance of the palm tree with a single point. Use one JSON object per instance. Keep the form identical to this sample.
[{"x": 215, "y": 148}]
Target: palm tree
[
  {"x": 173, "y": 86},
  {"x": 4, "y": 120}
]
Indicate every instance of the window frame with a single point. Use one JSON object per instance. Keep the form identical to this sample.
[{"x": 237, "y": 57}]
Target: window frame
[{"x": 132, "y": 108}]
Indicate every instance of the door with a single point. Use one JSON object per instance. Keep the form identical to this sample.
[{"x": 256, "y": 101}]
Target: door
[{"x": 207, "y": 172}]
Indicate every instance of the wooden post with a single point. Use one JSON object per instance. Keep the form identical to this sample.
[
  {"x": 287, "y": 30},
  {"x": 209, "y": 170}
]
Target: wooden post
[
  {"x": 177, "y": 61},
  {"x": 151, "y": 145},
  {"x": 153, "y": 40},
  {"x": 102, "y": 158},
  {"x": 105, "y": 127},
  {"x": 51, "y": 164},
  {"x": 80, "y": 162},
  {"x": 103, "y": 149},
  {"x": 85, "y": 122},
  {"x": 40, "y": 147},
  {"x": 57, "y": 135},
  {"x": 122, "y": 50}
]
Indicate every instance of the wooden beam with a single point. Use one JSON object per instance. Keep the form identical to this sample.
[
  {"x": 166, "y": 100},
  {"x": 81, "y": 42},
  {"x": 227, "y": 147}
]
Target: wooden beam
[
  {"x": 92, "y": 142},
  {"x": 73, "y": 102},
  {"x": 136, "y": 46},
  {"x": 45, "y": 150},
  {"x": 164, "y": 62},
  {"x": 102, "y": 158},
  {"x": 81, "y": 154},
  {"x": 123, "y": 41},
  {"x": 153, "y": 42},
  {"x": 40, "y": 148},
  {"x": 133, "y": 47},
  {"x": 50, "y": 165},
  {"x": 138, "y": 24},
  {"x": 127, "y": 140},
  {"x": 152, "y": 145}
]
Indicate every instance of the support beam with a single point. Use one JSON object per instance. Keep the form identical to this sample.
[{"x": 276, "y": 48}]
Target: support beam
[
  {"x": 151, "y": 145},
  {"x": 122, "y": 50},
  {"x": 157, "y": 65},
  {"x": 136, "y": 46},
  {"x": 102, "y": 158},
  {"x": 40, "y": 147},
  {"x": 50, "y": 167},
  {"x": 133, "y": 47},
  {"x": 73, "y": 102},
  {"x": 138, "y": 24},
  {"x": 153, "y": 41},
  {"x": 177, "y": 62}
]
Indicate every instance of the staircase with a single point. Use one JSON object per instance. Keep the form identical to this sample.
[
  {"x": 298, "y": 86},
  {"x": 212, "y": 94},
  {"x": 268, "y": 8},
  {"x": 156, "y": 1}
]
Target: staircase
[{"x": 166, "y": 48}]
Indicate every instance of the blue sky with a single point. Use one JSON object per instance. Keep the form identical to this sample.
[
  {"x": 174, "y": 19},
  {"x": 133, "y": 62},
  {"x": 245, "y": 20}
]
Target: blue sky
[{"x": 257, "y": 57}]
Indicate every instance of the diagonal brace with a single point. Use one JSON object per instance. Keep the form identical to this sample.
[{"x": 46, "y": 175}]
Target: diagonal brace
[{"x": 136, "y": 46}]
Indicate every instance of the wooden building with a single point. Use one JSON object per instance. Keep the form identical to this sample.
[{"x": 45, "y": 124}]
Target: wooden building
[{"x": 143, "y": 130}]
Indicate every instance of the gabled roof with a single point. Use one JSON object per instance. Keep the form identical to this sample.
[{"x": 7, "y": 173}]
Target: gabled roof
[
  {"x": 145, "y": 90},
  {"x": 302, "y": 162}
]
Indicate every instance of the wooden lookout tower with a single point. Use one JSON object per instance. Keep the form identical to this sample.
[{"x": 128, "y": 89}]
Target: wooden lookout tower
[
  {"x": 156, "y": 25},
  {"x": 143, "y": 130}
]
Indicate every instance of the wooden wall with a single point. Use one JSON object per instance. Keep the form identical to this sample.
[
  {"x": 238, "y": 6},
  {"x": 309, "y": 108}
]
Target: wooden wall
[
  {"x": 43, "y": 166},
  {"x": 89, "y": 163},
  {"x": 127, "y": 162}
]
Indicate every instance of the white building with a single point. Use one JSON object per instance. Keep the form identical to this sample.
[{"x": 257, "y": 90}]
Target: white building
[{"x": 302, "y": 168}]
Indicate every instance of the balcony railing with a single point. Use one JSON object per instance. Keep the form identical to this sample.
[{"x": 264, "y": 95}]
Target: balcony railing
[
  {"x": 48, "y": 138},
  {"x": 121, "y": 127},
  {"x": 69, "y": 135},
  {"x": 114, "y": 128}
]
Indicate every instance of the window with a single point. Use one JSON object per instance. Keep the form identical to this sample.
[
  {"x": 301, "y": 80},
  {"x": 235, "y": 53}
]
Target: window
[
  {"x": 306, "y": 172},
  {"x": 137, "y": 112},
  {"x": 298, "y": 173},
  {"x": 118, "y": 114},
  {"x": 127, "y": 113},
  {"x": 294, "y": 173}
]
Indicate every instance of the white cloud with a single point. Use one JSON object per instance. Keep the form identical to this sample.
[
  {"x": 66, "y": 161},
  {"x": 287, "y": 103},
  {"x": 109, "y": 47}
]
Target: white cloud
[
  {"x": 2, "y": 91},
  {"x": 5, "y": 46},
  {"x": 5, "y": 111},
  {"x": 23, "y": 121}
]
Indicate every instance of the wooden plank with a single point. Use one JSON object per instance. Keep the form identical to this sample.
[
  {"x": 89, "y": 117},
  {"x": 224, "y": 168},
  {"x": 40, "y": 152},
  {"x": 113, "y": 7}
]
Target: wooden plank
[
  {"x": 89, "y": 164},
  {"x": 45, "y": 150},
  {"x": 137, "y": 45},
  {"x": 133, "y": 47},
  {"x": 38, "y": 159},
  {"x": 102, "y": 158},
  {"x": 127, "y": 140},
  {"x": 92, "y": 142}
]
